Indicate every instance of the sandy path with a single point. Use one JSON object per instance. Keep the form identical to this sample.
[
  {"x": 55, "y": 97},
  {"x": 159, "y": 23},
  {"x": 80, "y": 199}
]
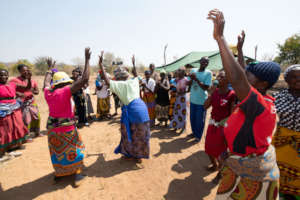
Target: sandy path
[{"x": 174, "y": 171}]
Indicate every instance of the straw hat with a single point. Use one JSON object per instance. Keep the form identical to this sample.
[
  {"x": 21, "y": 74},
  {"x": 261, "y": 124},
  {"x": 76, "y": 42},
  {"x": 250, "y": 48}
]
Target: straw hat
[{"x": 61, "y": 77}]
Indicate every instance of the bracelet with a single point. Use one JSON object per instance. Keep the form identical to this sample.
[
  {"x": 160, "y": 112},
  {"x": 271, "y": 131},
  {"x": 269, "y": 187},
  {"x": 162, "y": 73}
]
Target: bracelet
[{"x": 49, "y": 71}]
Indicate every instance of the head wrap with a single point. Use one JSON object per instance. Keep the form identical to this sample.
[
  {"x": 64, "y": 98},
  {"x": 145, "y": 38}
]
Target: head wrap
[
  {"x": 121, "y": 73},
  {"x": 289, "y": 69},
  {"x": 147, "y": 72},
  {"x": 61, "y": 77},
  {"x": 265, "y": 71},
  {"x": 163, "y": 71},
  {"x": 54, "y": 70}
]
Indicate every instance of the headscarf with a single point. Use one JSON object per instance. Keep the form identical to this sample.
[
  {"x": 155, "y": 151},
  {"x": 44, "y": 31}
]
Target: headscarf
[
  {"x": 265, "y": 71},
  {"x": 289, "y": 69},
  {"x": 121, "y": 73}
]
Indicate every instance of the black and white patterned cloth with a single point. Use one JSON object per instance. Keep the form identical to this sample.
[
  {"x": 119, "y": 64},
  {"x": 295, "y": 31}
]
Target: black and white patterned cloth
[{"x": 288, "y": 110}]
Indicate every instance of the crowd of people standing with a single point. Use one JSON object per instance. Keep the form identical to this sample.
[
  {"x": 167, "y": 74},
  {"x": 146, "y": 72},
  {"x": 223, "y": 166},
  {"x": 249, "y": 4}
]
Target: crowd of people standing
[{"x": 252, "y": 138}]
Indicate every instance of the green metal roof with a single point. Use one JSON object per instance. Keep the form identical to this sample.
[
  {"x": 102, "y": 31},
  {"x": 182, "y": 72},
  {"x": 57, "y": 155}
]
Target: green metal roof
[{"x": 193, "y": 58}]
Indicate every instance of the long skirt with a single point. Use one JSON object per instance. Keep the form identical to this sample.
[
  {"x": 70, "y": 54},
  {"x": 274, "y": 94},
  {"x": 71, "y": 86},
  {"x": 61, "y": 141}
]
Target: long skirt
[
  {"x": 66, "y": 151},
  {"x": 172, "y": 103},
  {"x": 179, "y": 114},
  {"x": 103, "y": 106},
  {"x": 287, "y": 143},
  {"x": 31, "y": 117},
  {"x": 12, "y": 130},
  {"x": 233, "y": 186},
  {"x": 215, "y": 142},
  {"x": 149, "y": 99},
  {"x": 80, "y": 108},
  {"x": 89, "y": 105},
  {"x": 162, "y": 113},
  {"x": 139, "y": 146}
]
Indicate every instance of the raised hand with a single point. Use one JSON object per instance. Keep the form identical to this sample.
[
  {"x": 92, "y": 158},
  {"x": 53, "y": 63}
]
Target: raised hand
[
  {"x": 87, "y": 54},
  {"x": 133, "y": 60},
  {"x": 219, "y": 22},
  {"x": 241, "y": 39},
  {"x": 101, "y": 58},
  {"x": 50, "y": 63}
]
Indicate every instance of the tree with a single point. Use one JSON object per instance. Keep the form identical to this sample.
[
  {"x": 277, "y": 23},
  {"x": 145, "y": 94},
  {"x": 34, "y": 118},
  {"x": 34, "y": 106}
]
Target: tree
[
  {"x": 289, "y": 52},
  {"x": 40, "y": 65},
  {"x": 14, "y": 67},
  {"x": 3, "y": 66},
  {"x": 108, "y": 60},
  {"x": 267, "y": 57},
  {"x": 78, "y": 61}
]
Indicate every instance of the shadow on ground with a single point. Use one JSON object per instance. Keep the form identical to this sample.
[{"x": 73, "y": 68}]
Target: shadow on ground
[
  {"x": 110, "y": 168},
  {"x": 45, "y": 184},
  {"x": 175, "y": 146},
  {"x": 192, "y": 187}
]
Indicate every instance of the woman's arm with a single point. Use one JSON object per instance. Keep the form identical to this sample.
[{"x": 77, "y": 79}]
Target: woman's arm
[
  {"x": 241, "y": 39},
  {"x": 49, "y": 73},
  {"x": 207, "y": 102},
  {"x": 106, "y": 79},
  {"x": 235, "y": 73},
  {"x": 84, "y": 79},
  {"x": 134, "y": 69}
]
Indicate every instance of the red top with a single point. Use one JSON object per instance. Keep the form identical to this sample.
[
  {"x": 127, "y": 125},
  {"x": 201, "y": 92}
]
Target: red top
[
  {"x": 60, "y": 105},
  {"x": 27, "y": 92},
  {"x": 8, "y": 90},
  {"x": 221, "y": 104},
  {"x": 250, "y": 127}
]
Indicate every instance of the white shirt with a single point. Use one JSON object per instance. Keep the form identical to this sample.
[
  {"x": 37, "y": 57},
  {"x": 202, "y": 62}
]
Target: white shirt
[
  {"x": 103, "y": 93},
  {"x": 151, "y": 84}
]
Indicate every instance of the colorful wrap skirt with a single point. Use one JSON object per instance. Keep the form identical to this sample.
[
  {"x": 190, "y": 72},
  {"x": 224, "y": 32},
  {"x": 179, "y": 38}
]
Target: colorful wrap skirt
[
  {"x": 103, "y": 106},
  {"x": 66, "y": 150},
  {"x": 135, "y": 130},
  {"x": 215, "y": 142},
  {"x": 149, "y": 99},
  {"x": 172, "y": 103},
  {"x": 179, "y": 113},
  {"x": 12, "y": 128},
  {"x": 31, "y": 115},
  {"x": 287, "y": 144},
  {"x": 252, "y": 177}
]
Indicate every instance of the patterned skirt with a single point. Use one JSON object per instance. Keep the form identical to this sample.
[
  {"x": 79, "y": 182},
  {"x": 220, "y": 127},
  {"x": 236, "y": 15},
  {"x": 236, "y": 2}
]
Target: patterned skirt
[
  {"x": 172, "y": 103},
  {"x": 66, "y": 151},
  {"x": 31, "y": 116},
  {"x": 162, "y": 113},
  {"x": 149, "y": 99},
  {"x": 287, "y": 144},
  {"x": 236, "y": 187},
  {"x": 251, "y": 177},
  {"x": 13, "y": 130},
  {"x": 179, "y": 113},
  {"x": 139, "y": 146},
  {"x": 103, "y": 106}
]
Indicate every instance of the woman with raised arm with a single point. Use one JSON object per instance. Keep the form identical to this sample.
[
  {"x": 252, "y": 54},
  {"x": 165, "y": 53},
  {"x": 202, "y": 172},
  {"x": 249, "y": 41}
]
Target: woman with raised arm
[
  {"x": 13, "y": 131},
  {"x": 65, "y": 144},
  {"x": 287, "y": 137},
  {"x": 135, "y": 121},
  {"x": 250, "y": 170}
]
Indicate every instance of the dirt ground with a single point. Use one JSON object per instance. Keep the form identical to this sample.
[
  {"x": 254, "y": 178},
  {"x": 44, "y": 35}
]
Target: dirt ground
[{"x": 175, "y": 170}]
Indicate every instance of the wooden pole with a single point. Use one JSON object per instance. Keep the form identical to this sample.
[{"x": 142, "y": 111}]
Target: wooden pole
[{"x": 165, "y": 56}]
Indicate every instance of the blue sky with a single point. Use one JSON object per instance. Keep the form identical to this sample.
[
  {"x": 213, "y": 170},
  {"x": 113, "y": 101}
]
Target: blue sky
[{"x": 62, "y": 28}]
